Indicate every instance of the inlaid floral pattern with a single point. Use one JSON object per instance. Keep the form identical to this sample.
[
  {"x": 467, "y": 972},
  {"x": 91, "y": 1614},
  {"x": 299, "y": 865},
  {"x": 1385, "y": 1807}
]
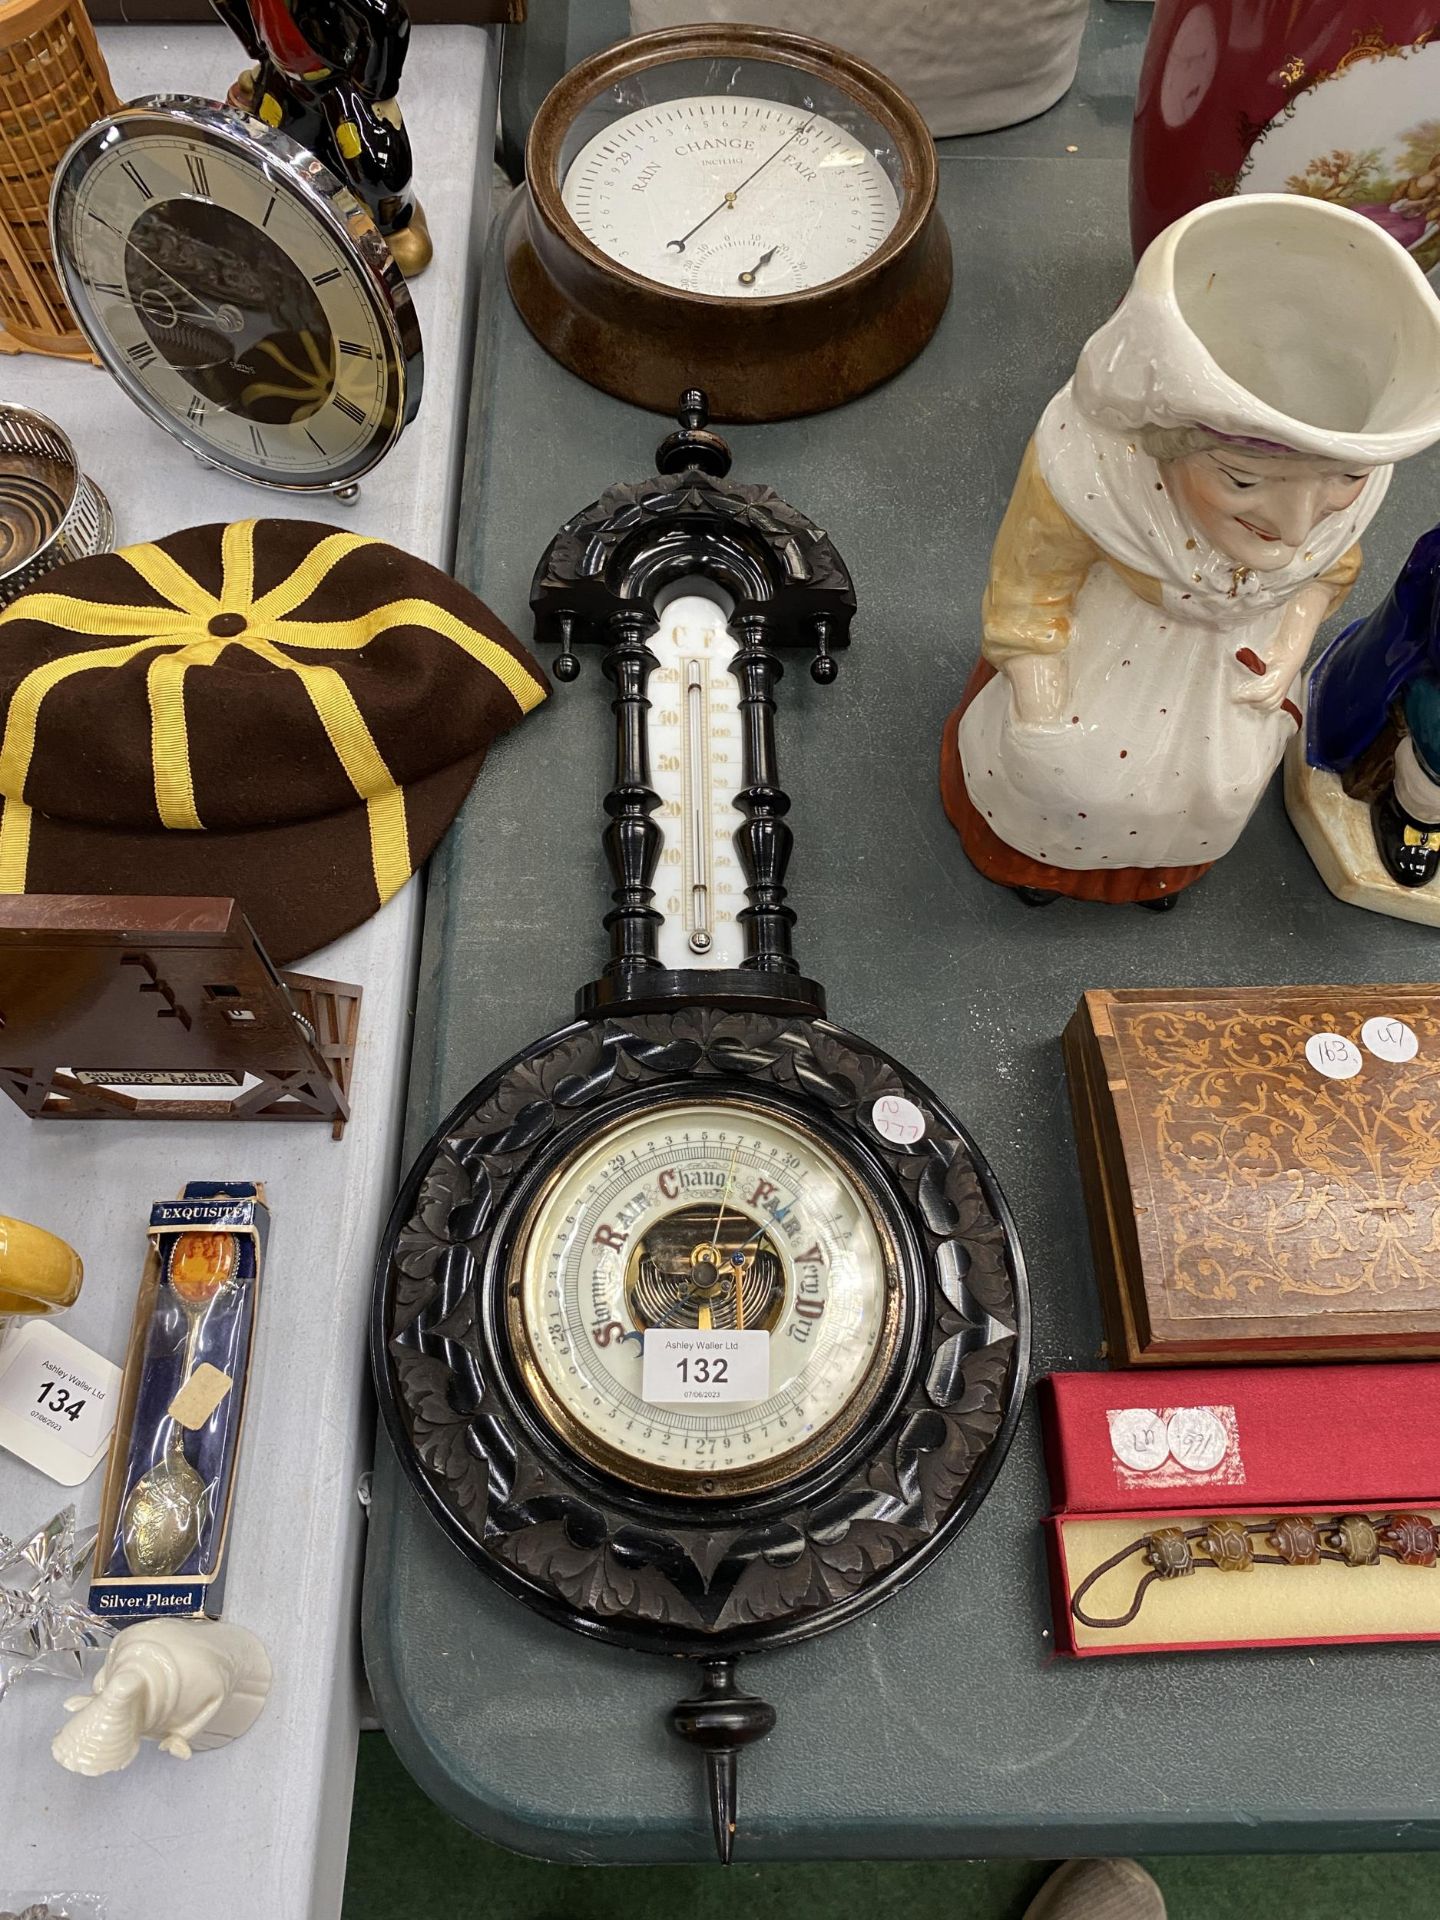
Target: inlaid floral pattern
[{"x": 1259, "y": 1182}]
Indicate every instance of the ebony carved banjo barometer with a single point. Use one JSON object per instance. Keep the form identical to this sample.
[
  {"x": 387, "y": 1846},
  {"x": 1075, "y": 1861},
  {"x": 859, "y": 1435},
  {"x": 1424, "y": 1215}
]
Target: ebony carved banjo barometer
[{"x": 700, "y": 1325}]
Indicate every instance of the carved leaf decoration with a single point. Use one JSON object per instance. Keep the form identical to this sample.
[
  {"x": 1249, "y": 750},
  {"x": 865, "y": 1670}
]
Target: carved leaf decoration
[
  {"x": 952, "y": 1274},
  {"x": 440, "y": 1433},
  {"x": 842, "y": 1075},
  {"x": 445, "y": 1187},
  {"x": 705, "y": 1551},
  {"x": 696, "y": 1038},
  {"x": 986, "y": 1375},
  {"x": 981, "y": 1407},
  {"x": 802, "y": 1573},
  {"x": 775, "y": 1579},
  {"x": 955, "y": 1209},
  {"x": 461, "y": 1326},
  {"x": 521, "y": 1109},
  {"x": 594, "y": 1578},
  {"x": 945, "y": 1380},
  {"x": 425, "y": 1240},
  {"x": 929, "y": 1465},
  {"x": 935, "y": 1457},
  {"x": 425, "y": 1236},
  {"x": 865, "y": 1548},
  {"x": 531, "y": 1480},
  {"x": 409, "y": 1298},
  {"x": 870, "y": 1077},
  {"x": 519, "y": 1505}
]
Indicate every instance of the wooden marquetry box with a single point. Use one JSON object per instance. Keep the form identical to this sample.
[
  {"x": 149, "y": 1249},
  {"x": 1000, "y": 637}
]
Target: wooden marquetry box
[{"x": 1262, "y": 1170}]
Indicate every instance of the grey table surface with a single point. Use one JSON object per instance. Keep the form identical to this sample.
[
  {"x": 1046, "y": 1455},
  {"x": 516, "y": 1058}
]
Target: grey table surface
[{"x": 942, "y": 1724}]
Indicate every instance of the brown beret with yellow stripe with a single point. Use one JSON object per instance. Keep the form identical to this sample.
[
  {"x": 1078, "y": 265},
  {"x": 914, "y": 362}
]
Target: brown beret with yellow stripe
[{"x": 274, "y": 710}]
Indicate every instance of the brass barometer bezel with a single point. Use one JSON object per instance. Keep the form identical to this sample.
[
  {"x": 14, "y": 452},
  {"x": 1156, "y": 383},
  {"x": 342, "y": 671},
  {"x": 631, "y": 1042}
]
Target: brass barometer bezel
[{"x": 704, "y": 1482}]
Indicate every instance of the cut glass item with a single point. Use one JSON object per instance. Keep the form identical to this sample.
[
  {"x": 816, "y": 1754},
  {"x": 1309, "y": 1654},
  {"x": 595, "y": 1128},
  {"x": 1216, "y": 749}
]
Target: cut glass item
[{"x": 43, "y": 1627}]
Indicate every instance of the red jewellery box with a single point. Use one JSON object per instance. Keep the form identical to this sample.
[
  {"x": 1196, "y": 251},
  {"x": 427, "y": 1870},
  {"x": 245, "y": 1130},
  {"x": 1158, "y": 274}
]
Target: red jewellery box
[{"x": 1243, "y": 1506}]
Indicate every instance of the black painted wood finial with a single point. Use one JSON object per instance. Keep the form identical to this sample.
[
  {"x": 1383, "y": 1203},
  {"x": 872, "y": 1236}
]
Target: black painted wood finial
[
  {"x": 567, "y": 661},
  {"x": 694, "y": 445},
  {"x": 721, "y": 1719},
  {"x": 824, "y": 667}
]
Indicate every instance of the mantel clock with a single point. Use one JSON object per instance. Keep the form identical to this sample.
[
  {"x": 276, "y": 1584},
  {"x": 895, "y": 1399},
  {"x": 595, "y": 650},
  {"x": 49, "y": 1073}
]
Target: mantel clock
[{"x": 700, "y": 1325}]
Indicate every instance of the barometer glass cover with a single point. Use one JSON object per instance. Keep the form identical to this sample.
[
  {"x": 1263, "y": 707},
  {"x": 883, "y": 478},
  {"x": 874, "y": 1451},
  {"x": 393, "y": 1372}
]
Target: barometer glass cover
[{"x": 738, "y": 178}]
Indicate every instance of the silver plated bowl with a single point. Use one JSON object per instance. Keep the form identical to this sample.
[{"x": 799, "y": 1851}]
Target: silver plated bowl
[{"x": 50, "y": 512}]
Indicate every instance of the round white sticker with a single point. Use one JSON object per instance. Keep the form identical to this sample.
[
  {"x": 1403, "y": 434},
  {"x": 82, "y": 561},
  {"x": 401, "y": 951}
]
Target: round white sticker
[
  {"x": 1138, "y": 1438},
  {"x": 897, "y": 1120},
  {"x": 1197, "y": 1438},
  {"x": 1334, "y": 1056},
  {"x": 1389, "y": 1038}
]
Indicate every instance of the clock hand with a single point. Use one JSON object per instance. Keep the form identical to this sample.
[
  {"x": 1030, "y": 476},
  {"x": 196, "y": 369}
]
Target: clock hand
[
  {"x": 678, "y": 246},
  {"x": 211, "y": 313},
  {"x": 751, "y": 274}
]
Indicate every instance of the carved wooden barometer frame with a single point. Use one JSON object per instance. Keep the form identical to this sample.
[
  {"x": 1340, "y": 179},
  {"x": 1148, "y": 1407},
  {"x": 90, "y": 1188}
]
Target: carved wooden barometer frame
[{"x": 722, "y": 1569}]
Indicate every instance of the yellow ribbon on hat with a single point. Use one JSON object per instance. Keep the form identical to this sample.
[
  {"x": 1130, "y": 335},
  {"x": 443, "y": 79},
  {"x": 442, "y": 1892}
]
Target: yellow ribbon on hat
[{"x": 182, "y": 629}]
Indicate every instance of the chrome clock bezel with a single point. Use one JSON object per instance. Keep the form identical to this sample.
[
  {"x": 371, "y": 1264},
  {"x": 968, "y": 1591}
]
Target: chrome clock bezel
[{"x": 343, "y": 219}]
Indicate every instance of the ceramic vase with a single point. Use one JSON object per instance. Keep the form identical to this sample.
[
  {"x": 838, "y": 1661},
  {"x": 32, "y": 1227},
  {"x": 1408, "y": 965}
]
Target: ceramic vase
[
  {"x": 1335, "y": 99},
  {"x": 969, "y": 65},
  {"x": 1187, "y": 513}
]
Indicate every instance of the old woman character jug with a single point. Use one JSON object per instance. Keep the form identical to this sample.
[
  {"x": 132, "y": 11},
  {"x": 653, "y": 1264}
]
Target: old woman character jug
[{"x": 1186, "y": 515}]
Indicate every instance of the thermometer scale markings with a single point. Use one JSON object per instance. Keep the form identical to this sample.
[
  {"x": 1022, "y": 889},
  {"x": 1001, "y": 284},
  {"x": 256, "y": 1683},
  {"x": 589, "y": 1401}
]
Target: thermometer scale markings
[
  {"x": 697, "y": 795},
  {"x": 696, "y": 769}
]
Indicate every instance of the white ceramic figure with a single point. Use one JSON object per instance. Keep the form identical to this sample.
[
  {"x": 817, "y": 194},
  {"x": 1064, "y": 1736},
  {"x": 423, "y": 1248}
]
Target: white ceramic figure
[
  {"x": 188, "y": 1684},
  {"x": 1186, "y": 515}
]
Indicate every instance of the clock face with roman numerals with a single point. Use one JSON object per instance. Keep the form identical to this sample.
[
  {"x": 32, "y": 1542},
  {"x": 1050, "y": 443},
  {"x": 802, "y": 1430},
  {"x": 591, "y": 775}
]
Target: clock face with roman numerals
[{"x": 238, "y": 292}]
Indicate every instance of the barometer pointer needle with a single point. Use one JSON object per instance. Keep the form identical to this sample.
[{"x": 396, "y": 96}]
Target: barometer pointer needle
[
  {"x": 781, "y": 1213},
  {"x": 751, "y": 274},
  {"x": 678, "y": 246},
  {"x": 724, "y": 1199},
  {"x": 704, "y": 1316}
]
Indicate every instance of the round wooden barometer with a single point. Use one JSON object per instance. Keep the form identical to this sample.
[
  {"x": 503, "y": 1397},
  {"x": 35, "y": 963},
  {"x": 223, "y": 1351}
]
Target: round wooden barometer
[{"x": 747, "y": 210}]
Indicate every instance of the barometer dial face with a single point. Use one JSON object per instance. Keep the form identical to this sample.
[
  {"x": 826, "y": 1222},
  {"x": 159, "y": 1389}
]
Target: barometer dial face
[
  {"x": 239, "y": 294},
  {"x": 704, "y": 1215},
  {"x": 733, "y": 195}
]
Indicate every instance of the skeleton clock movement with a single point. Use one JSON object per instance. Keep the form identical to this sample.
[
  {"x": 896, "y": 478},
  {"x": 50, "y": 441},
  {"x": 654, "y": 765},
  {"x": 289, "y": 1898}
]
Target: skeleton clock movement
[{"x": 700, "y": 1325}]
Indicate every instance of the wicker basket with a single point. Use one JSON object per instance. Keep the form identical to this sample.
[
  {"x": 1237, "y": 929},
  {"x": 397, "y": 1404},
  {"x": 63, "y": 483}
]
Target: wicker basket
[{"x": 53, "y": 85}]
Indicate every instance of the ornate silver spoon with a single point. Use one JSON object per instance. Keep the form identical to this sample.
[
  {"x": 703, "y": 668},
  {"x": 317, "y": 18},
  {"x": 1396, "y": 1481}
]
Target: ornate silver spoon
[{"x": 167, "y": 1507}]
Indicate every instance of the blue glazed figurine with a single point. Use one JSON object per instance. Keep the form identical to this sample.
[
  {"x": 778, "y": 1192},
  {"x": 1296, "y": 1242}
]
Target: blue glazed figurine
[{"x": 1363, "y": 784}]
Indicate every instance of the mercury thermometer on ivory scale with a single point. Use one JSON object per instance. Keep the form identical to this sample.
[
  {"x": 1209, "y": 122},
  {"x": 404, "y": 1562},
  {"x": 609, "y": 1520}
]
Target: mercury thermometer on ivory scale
[{"x": 696, "y": 770}]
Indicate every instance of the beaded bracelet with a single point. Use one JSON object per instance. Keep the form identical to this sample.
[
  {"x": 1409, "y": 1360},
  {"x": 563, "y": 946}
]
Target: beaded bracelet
[{"x": 1228, "y": 1544}]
